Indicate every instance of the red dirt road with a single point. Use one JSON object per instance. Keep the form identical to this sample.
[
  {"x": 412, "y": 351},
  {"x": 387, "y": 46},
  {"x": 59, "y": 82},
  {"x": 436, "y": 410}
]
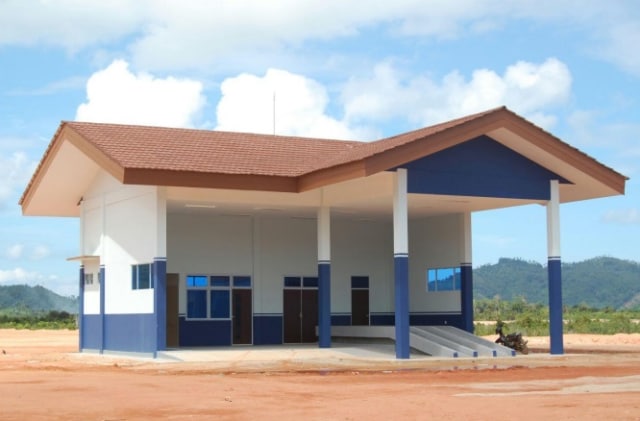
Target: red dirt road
[{"x": 42, "y": 379}]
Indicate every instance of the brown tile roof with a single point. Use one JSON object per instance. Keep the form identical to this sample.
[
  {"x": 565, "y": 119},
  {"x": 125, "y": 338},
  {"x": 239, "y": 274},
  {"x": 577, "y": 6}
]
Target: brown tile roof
[
  {"x": 203, "y": 151},
  {"x": 296, "y": 163}
]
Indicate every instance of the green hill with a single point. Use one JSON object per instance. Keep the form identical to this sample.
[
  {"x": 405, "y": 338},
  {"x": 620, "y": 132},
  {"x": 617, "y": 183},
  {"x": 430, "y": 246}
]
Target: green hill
[
  {"x": 25, "y": 299},
  {"x": 599, "y": 282}
]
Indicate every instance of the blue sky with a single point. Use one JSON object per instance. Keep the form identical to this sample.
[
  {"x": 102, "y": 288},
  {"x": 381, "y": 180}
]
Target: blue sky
[{"x": 353, "y": 70}]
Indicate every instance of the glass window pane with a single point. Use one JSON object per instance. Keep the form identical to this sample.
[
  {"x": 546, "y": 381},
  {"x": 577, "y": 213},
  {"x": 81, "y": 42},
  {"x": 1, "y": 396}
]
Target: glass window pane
[
  {"x": 219, "y": 281},
  {"x": 197, "y": 304},
  {"x": 445, "y": 279},
  {"x": 292, "y": 281},
  {"x": 144, "y": 276},
  {"x": 220, "y": 304},
  {"x": 196, "y": 281},
  {"x": 134, "y": 277},
  {"x": 458, "y": 279},
  {"x": 241, "y": 281},
  {"x": 310, "y": 282},
  {"x": 359, "y": 282},
  {"x": 431, "y": 280}
]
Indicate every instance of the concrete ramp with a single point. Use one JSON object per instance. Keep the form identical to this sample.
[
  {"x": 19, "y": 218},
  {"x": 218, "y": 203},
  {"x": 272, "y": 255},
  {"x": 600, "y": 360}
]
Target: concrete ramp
[{"x": 437, "y": 341}]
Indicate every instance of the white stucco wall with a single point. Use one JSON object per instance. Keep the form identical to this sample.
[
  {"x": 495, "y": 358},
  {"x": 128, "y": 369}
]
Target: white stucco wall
[
  {"x": 269, "y": 248},
  {"x": 92, "y": 292},
  {"x": 123, "y": 225},
  {"x": 433, "y": 243}
]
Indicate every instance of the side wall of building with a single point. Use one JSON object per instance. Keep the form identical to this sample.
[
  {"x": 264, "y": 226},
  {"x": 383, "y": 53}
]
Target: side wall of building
[{"x": 120, "y": 224}]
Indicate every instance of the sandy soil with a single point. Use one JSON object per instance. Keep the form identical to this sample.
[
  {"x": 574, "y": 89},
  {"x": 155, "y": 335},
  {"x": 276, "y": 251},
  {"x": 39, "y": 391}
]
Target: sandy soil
[{"x": 42, "y": 378}]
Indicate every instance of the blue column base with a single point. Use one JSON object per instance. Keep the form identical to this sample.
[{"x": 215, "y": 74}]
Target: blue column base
[
  {"x": 102, "y": 315},
  {"x": 159, "y": 273},
  {"x": 81, "y": 309},
  {"x": 324, "y": 304},
  {"x": 466, "y": 296},
  {"x": 401, "y": 270},
  {"x": 555, "y": 306}
]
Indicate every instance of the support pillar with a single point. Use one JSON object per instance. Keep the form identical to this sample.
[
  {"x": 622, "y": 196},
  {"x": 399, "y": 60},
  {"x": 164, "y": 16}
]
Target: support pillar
[
  {"x": 159, "y": 277},
  {"x": 102, "y": 280},
  {"x": 555, "y": 272},
  {"x": 466, "y": 276},
  {"x": 81, "y": 308},
  {"x": 401, "y": 263},
  {"x": 324, "y": 277}
]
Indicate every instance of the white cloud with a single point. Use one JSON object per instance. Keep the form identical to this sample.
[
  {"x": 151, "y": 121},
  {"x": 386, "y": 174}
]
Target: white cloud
[
  {"x": 116, "y": 95},
  {"x": 622, "y": 216},
  {"x": 21, "y": 276},
  {"x": 72, "y": 24},
  {"x": 203, "y": 34},
  {"x": 16, "y": 170},
  {"x": 40, "y": 252},
  {"x": 247, "y": 104},
  {"x": 14, "y": 251},
  {"x": 526, "y": 88}
]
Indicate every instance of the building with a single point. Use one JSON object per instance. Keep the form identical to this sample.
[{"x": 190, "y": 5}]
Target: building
[{"x": 202, "y": 238}]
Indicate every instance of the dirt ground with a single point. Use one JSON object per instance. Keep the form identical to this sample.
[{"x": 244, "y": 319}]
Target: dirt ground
[{"x": 43, "y": 378}]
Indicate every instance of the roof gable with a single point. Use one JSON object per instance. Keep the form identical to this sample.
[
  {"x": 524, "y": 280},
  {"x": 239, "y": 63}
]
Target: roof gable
[{"x": 480, "y": 167}]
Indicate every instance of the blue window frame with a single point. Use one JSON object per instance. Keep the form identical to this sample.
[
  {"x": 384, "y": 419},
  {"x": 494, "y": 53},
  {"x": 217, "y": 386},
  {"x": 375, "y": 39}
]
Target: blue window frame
[
  {"x": 141, "y": 276},
  {"x": 443, "y": 279},
  {"x": 209, "y": 296},
  {"x": 359, "y": 282},
  {"x": 197, "y": 304},
  {"x": 242, "y": 281},
  {"x": 220, "y": 303},
  {"x": 292, "y": 282}
]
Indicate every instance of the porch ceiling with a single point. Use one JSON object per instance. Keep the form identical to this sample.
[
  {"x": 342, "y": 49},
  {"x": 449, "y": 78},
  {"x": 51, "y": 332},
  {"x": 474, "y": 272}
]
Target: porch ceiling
[{"x": 365, "y": 198}]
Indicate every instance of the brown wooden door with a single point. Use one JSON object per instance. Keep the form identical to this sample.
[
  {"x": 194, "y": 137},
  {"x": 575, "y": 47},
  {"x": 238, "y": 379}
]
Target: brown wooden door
[
  {"x": 292, "y": 313},
  {"x": 360, "y": 307},
  {"x": 172, "y": 326},
  {"x": 309, "y": 315},
  {"x": 242, "y": 315}
]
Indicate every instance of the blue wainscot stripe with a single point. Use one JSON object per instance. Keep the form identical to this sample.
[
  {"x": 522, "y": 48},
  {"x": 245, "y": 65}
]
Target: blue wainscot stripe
[
  {"x": 205, "y": 332},
  {"x": 91, "y": 331},
  {"x": 339, "y": 319},
  {"x": 382, "y": 319},
  {"x": 437, "y": 319},
  {"x": 130, "y": 332},
  {"x": 267, "y": 329}
]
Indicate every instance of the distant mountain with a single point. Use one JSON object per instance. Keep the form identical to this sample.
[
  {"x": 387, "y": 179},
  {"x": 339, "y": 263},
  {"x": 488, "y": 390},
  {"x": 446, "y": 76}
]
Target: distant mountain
[
  {"x": 598, "y": 282},
  {"x": 28, "y": 299}
]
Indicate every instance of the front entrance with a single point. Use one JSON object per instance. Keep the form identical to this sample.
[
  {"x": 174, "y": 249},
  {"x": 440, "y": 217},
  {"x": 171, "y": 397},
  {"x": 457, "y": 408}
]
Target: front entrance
[
  {"x": 242, "y": 314},
  {"x": 173, "y": 280},
  {"x": 300, "y": 310}
]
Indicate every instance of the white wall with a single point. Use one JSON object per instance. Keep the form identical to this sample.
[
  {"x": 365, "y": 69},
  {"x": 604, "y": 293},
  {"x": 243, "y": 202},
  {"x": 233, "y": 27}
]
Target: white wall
[
  {"x": 361, "y": 248},
  {"x": 270, "y": 248},
  {"x": 124, "y": 226},
  {"x": 92, "y": 292},
  {"x": 433, "y": 243}
]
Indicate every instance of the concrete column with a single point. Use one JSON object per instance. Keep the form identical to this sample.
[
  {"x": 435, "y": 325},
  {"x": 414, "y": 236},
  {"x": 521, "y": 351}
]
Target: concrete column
[
  {"x": 466, "y": 275},
  {"x": 103, "y": 282},
  {"x": 401, "y": 262},
  {"x": 555, "y": 270},
  {"x": 324, "y": 277},
  {"x": 81, "y": 308},
  {"x": 159, "y": 278}
]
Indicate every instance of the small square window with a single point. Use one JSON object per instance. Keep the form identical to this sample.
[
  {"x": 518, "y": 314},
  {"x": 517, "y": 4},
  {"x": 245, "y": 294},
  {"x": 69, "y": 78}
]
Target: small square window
[
  {"x": 220, "y": 281},
  {"x": 141, "y": 276},
  {"x": 242, "y": 281}
]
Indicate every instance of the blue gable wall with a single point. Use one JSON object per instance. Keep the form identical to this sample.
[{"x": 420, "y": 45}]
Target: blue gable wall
[{"x": 480, "y": 167}]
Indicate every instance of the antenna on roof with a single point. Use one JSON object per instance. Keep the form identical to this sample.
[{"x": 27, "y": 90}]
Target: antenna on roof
[{"x": 274, "y": 112}]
